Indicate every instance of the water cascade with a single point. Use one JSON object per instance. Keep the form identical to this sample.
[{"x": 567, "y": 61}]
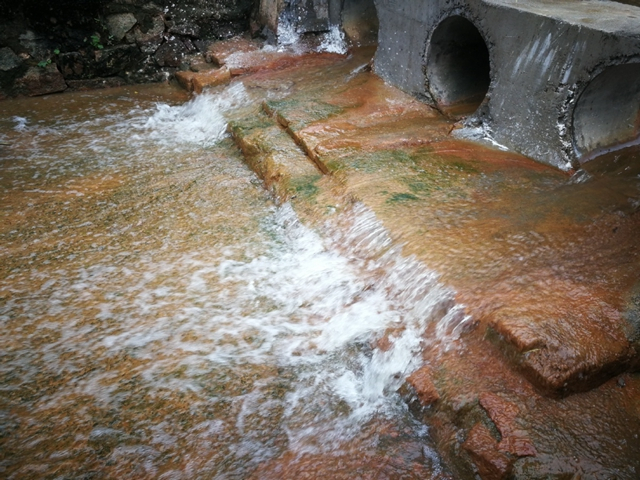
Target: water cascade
[{"x": 163, "y": 336}]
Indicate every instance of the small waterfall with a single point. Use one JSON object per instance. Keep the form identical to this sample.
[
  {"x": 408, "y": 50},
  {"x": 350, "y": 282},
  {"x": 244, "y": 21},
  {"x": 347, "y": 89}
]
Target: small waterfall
[
  {"x": 334, "y": 41},
  {"x": 331, "y": 300},
  {"x": 200, "y": 121},
  {"x": 290, "y": 38},
  {"x": 328, "y": 294}
]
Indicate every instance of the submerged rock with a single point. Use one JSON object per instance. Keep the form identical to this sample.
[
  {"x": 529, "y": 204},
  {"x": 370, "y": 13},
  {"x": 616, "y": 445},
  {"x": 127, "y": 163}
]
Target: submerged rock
[
  {"x": 490, "y": 463},
  {"x": 422, "y": 382}
]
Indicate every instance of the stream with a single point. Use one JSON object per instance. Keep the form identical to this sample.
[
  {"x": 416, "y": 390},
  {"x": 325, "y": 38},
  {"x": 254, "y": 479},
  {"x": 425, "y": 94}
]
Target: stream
[{"x": 163, "y": 318}]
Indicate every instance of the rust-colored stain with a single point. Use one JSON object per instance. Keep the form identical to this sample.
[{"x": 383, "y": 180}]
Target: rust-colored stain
[{"x": 534, "y": 379}]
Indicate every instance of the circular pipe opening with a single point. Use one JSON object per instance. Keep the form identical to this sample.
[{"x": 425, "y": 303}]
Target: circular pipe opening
[
  {"x": 360, "y": 21},
  {"x": 607, "y": 113},
  {"x": 458, "y": 66}
]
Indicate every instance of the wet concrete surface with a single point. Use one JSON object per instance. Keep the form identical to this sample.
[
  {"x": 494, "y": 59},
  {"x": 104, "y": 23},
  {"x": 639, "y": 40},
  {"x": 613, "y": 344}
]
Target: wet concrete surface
[{"x": 543, "y": 59}]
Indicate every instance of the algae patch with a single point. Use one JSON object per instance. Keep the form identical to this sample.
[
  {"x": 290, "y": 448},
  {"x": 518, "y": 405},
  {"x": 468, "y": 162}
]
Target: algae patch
[
  {"x": 306, "y": 187},
  {"x": 401, "y": 197},
  {"x": 301, "y": 113}
]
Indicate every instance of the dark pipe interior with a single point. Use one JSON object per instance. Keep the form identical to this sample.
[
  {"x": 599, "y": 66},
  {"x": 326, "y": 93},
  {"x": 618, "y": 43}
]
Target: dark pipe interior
[
  {"x": 458, "y": 66},
  {"x": 607, "y": 113},
  {"x": 360, "y": 21}
]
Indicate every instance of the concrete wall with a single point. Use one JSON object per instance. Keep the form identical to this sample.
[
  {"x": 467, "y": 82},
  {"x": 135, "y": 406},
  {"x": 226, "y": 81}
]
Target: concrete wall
[
  {"x": 358, "y": 18},
  {"x": 542, "y": 56}
]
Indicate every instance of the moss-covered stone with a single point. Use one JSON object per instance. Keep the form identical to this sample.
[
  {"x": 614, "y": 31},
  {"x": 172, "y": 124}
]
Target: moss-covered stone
[
  {"x": 298, "y": 114},
  {"x": 401, "y": 197}
]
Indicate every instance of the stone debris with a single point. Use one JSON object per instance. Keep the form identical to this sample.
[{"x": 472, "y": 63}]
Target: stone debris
[
  {"x": 504, "y": 415},
  {"x": 491, "y": 464},
  {"x": 120, "y": 24},
  {"x": 171, "y": 53},
  {"x": 422, "y": 382},
  {"x": 148, "y": 41},
  {"x": 131, "y": 41},
  {"x": 8, "y": 59},
  {"x": 41, "y": 81}
]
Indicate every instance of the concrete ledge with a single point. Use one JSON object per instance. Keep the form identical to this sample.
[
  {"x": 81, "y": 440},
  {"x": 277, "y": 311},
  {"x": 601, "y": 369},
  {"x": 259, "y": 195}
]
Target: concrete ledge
[
  {"x": 273, "y": 155},
  {"x": 540, "y": 261},
  {"x": 543, "y": 57}
]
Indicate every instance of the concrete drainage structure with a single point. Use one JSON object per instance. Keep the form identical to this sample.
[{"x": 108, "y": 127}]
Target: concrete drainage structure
[
  {"x": 608, "y": 111},
  {"x": 557, "y": 81},
  {"x": 357, "y": 18},
  {"x": 457, "y": 66}
]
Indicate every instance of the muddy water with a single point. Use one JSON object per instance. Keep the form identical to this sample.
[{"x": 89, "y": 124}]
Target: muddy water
[{"x": 162, "y": 318}]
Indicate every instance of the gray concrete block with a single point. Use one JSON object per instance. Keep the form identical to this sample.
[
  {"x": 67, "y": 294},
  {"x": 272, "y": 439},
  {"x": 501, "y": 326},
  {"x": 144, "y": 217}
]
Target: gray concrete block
[{"x": 545, "y": 98}]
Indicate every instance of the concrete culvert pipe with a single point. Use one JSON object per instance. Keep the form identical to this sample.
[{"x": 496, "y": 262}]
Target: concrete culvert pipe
[
  {"x": 607, "y": 113},
  {"x": 360, "y": 21},
  {"x": 458, "y": 66}
]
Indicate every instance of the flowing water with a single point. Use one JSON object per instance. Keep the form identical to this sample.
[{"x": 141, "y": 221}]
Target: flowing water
[{"x": 162, "y": 318}]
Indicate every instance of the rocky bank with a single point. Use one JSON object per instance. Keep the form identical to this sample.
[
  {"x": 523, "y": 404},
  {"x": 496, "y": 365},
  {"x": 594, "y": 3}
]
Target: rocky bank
[{"x": 48, "y": 47}]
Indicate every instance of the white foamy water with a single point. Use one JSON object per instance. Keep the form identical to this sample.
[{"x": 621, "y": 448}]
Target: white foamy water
[
  {"x": 334, "y": 41},
  {"x": 168, "y": 321},
  {"x": 200, "y": 121},
  {"x": 288, "y": 37}
]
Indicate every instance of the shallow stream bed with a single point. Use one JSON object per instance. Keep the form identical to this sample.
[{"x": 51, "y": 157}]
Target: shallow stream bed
[{"x": 162, "y": 318}]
